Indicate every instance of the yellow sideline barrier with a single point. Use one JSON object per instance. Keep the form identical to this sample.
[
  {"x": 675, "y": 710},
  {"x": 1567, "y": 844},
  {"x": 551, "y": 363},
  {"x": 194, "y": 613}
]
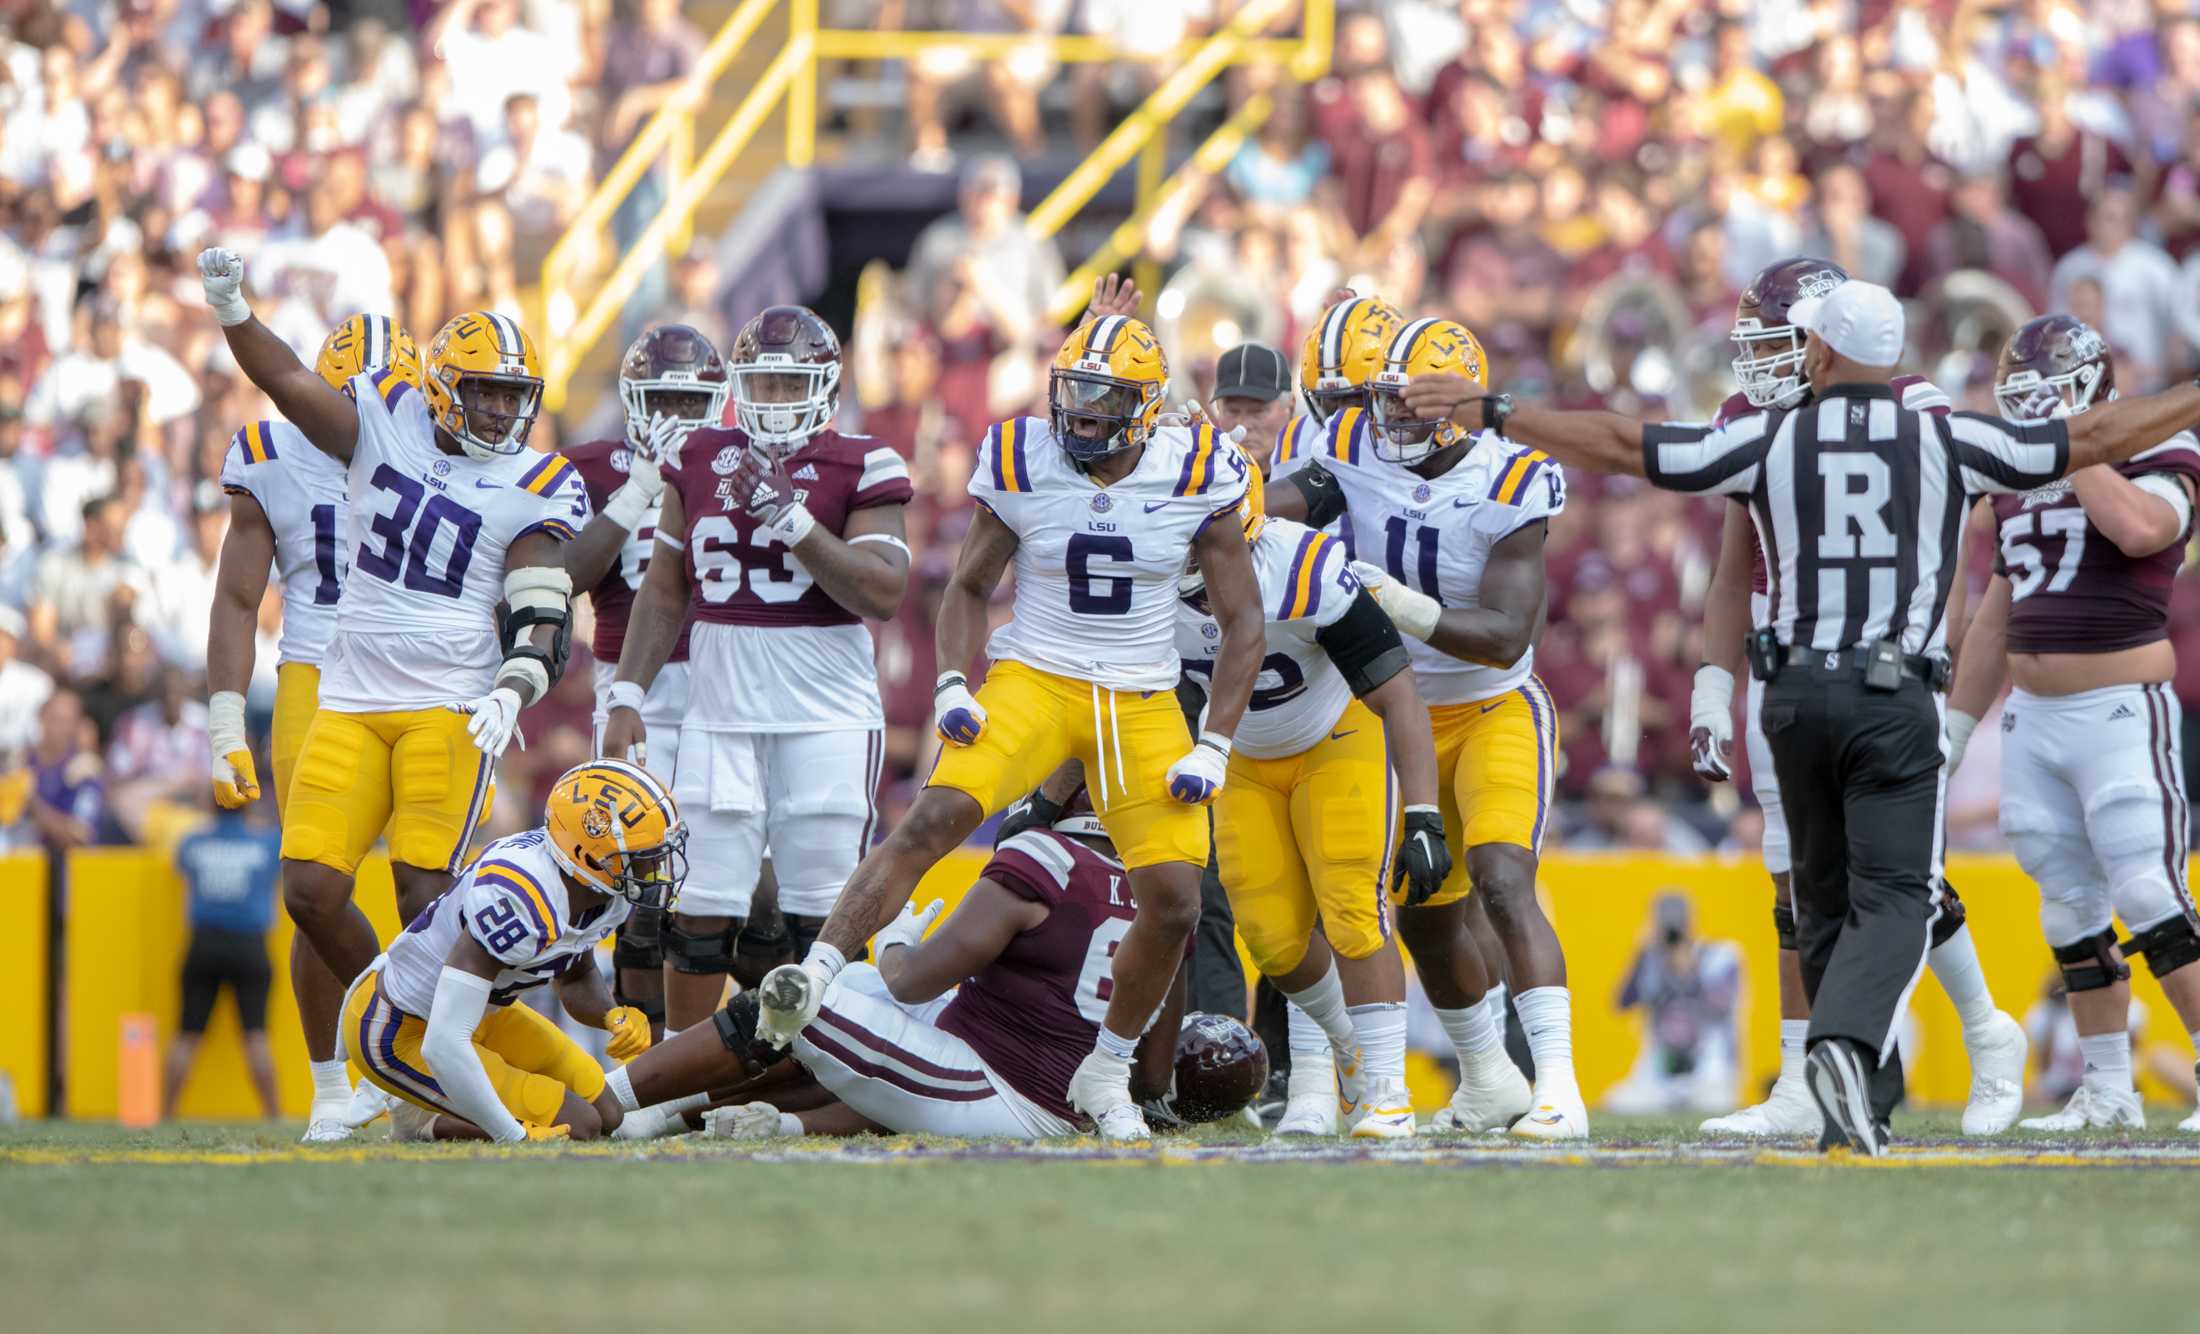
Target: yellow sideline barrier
[
  {"x": 23, "y": 978},
  {"x": 126, "y": 938}
]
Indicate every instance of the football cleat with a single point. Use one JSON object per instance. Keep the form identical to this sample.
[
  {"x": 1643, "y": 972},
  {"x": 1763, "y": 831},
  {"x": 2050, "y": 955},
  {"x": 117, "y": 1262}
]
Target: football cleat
[
  {"x": 326, "y": 1130},
  {"x": 1560, "y": 1116},
  {"x": 1311, "y": 1107},
  {"x": 1488, "y": 1098},
  {"x": 1101, "y": 1089},
  {"x": 2094, "y": 1107},
  {"x": 1788, "y": 1113},
  {"x": 410, "y": 1124},
  {"x": 1997, "y": 1077},
  {"x": 787, "y": 1000},
  {"x": 367, "y": 1103},
  {"x": 751, "y": 1120},
  {"x": 1386, "y": 1112},
  {"x": 1352, "y": 1091},
  {"x": 1842, "y": 1089}
]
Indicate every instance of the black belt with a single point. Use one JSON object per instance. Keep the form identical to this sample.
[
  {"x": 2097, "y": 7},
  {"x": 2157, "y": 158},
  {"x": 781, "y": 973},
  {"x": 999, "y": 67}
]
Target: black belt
[{"x": 1934, "y": 672}]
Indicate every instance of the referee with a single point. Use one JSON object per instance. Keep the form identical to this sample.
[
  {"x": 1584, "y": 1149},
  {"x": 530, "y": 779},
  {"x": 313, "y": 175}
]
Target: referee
[{"x": 1860, "y": 504}]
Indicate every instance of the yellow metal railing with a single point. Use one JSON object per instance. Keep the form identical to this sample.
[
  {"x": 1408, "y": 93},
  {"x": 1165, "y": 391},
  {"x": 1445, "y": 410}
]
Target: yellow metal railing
[{"x": 572, "y": 325}]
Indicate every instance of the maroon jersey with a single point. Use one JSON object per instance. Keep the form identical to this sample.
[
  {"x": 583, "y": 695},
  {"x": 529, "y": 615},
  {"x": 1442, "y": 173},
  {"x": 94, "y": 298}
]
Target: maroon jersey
[
  {"x": 1911, "y": 391},
  {"x": 741, "y": 580},
  {"x": 1033, "y": 1013},
  {"x": 2070, "y": 589},
  {"x": 602, "y": 465}
]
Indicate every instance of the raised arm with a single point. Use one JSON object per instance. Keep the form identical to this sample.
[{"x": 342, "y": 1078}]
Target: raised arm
[
  {"x": 328, "y": 419},
  {"x": 1598, "y": 441},
  {"x": 2112, "y": 432},
  {"x": 248, "y": 551},
  {"x": 2138, "y": 515}
]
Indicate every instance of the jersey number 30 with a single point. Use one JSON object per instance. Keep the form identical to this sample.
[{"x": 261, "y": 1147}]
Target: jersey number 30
[{"x": 405, "y": 550}]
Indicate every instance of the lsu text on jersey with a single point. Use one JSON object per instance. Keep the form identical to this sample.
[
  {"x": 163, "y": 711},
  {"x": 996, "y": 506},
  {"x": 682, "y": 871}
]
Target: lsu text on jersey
[{"x": 1087, "y": 665}]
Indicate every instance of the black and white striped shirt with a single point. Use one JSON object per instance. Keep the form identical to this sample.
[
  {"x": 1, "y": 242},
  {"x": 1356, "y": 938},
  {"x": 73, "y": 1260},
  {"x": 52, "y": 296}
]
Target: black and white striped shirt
[{"x": 1860, "y": 504}]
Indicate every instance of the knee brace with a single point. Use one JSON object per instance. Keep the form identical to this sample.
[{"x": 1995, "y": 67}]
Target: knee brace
[
  {"x": 802, "y": 932},
  {"x": 1783, "y": 925},
  {"x": 1952, "y": 916},
  {"x": 2168, "y": 946},
  {"x": 2091, "y": 964},
  {"x": 640, "y": 944},
  {"x": 765, "y": 944},
  {"x": 735, "y": 1024},
  {"x": 701, "y": 952}
]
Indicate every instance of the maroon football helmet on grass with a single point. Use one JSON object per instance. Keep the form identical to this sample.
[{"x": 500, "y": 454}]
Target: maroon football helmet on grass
[{"x": 1221, "y": 1067}]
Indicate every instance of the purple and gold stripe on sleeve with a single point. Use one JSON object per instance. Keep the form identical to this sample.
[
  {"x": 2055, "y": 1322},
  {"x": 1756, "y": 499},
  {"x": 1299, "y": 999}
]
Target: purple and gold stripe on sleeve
[
  {"x": 258, "y": 442},
  {"x": 1302, "y": 590},
  {"x": 1199, "y": 464},
  {"x": 1290, "y": 440},
  {"x": 557, "y": 528},
  {"x": 515, "y": 881},
  {"x": 390, "y": 385},
  {"x": 1006, "y": 444},
  {"x": 545, "y": 476},
  {"x": 1346, "y": 430},
  {"x": 1512, "y": 483}
]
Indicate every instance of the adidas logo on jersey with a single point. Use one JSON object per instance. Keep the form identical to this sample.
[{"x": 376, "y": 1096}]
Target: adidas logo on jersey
[
  {"x": 2122, "y": 711},
  {"x": 806, "y": 473}
]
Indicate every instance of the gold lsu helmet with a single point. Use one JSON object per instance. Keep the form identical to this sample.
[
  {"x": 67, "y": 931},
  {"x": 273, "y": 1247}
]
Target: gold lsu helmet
[
  {"x": 367, "y": 343},
  {"x": 1343, "y": 351},
  {"x": 614, "y": 827},
  {"x": 476, "y": 353},
  {"x": 1424, "y": 347},
  {"x": 1111, "y": 372}
]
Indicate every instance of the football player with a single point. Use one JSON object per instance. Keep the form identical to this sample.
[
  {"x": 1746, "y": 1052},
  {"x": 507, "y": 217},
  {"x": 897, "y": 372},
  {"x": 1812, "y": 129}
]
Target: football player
[
  {"x": 1335, "y": 737},
  {"x": 1343, "y": 351},
  {"x": 1460, "y": 522},
  {"x": 779, "y": 538},
  {"x": 671, "y": 381},
  {"x": 432, "y": 1021},
  {"x": 287, "y": 512},
  {"x": 449, "y": 514},
  {"x": 2092, "y": 762},
  {"x": 974, "y": 1030},
  {"x": 1098, "y": 508},
  {"x": 1768, "y": 368}
]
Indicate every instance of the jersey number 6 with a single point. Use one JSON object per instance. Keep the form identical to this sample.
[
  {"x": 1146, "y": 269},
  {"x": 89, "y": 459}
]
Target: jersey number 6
[{"x": 1102, "y": 595}]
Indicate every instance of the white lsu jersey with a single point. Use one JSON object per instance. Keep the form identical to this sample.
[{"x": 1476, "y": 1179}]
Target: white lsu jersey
[
  {"x": 513, "y": 903},
  {"x": 1096, "y": 567},
  {"x": 1306, "y": 584},
  {"x": 416, "y": 627},
  {"x": 302, "y": 493},
  {"x": 1435, "y": 533},
  {"x": 1296, "y": 445}
]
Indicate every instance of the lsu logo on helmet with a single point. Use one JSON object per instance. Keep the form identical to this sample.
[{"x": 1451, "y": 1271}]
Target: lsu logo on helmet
[
  {"x": 483, "y": 383},
  {"x": 1424, "y": 347},
  {"x": 1343, "y": 352},
  {"x": 613, "y": 826},
  {"x": 365, "y": 343},
  {"x": 1104, "y": 393}
]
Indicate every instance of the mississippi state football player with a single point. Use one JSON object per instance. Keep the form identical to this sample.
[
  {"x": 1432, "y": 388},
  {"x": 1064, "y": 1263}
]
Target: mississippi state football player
[
  {"x": 974, "y": 1030},
  {"x": 1099, "y": 508},
  {"x": 1460, "y": 523},
  {"x": 1768, "y": 367},
  {"x": 779, "y": 539},
  {"x": 433, "y": 1022},
  {"x": 671, "y": 381},
  {"x": 453, "y": 618},
  {"x": 2092, "y": 766},
  {"x": 287, "y": 512}
]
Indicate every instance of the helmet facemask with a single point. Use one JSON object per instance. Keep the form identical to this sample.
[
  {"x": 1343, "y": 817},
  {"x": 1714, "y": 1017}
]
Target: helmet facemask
[
  {"x": 491, "y": 415},
  {"x": 683, "y": 399},
  {"x": 781, "y": 402},
  {"x": 1769, "y": 364},
  {"x": 650, "y": 878},
  {"x": 1118, "y": 407},
  {"x": 1399, "y": 436},
  {"x": 2027, "y": 395}
]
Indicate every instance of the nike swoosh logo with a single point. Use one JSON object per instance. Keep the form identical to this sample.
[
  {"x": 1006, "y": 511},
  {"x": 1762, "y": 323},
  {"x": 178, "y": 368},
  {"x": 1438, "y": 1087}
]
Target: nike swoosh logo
[
  {"x": 1162, "y": 506},
  {"x": 1487, "y": 707},
  {"x": 486, "y": 486},
  {"x": 1462, "y": 502},
  {"x": 1339, "y": 736}
]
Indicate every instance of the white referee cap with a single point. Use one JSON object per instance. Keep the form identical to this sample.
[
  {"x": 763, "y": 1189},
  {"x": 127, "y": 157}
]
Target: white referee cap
[{"x": 1861, "y": 321}]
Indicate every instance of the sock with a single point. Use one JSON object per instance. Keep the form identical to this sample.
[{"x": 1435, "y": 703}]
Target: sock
[
  {"x": 1380, "y": 1030},
  {"x": 623, "y": 1089},
  {"x": 1323, "y": 1002},
  {"x": 1307, "y": 1037},
  {"x": 331, "y": 1082},
  {"x": 693, "y": 1102},
  {"x": 2107, "y": 1059},
  {"x": 1110, "y": 1044},
  {"x": 1499, "y": 996},
  {"x": 1475, "y": 1031},
  {"x": 1792, "y": 1035},
  {"x": 1956, "y": 965},
  {"x": 1547, "y": 1016}
]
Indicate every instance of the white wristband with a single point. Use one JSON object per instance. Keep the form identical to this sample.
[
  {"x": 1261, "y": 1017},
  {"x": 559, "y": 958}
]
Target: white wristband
[
  {"x": 1217, "y": 740},
  {"x": 628, "y": 506},
  {"x": 1712, "y": 698},
  {"x": 231, "y": 312},
  {"x": 793, "y": 524},
  {"x": 624, "y": 695},
  {"x": 225, "y": 722}
]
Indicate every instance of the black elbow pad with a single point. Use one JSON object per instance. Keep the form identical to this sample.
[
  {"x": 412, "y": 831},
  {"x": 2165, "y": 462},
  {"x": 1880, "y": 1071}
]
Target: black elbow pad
[
  {"x": 1324, "y": 497},
  {"x": 1363, "y": 643}
]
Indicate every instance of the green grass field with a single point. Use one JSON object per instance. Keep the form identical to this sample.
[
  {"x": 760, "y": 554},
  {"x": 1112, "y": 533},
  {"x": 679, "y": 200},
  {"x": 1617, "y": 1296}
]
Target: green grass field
[{"x": 213, "y": 1228}]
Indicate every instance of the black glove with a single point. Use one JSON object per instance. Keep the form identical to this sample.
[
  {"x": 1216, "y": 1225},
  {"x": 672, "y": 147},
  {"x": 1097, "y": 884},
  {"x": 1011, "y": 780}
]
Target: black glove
[
  {"x": 1423, "y": 857},
  {"x": 1033, "y": 812}
]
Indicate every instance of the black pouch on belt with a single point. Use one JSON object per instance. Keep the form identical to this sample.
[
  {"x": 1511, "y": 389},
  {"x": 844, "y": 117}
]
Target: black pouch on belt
[{"x": 1883, "y": 665}]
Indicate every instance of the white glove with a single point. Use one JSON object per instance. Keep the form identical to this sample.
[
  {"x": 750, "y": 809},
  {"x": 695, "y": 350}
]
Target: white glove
[
  {"x": 751, "y": 1120},
  {"x": 1711, "y": 723},
  {"x": 1960, "y": 727},
  {"x": 1193, "y": 414},
  {"x": 495, "y": 717},
  {"x": 1413, "y": 613},
  {"x": 907, "y": 928},
  {"x": 645, "y": 478},
  {"x": 236, "y": 780},
  {"x": 1195, "y": 779},
  {"x": 956, "y": 713},
  {"x": 221, "y": 272}
]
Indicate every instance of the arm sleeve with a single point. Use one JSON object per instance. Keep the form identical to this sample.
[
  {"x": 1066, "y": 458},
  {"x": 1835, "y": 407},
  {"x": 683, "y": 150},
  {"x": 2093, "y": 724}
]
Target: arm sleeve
[
  {"x": 1324, "y": 498},
  {"x": 1994, "y": 455},
  {"x": 512, "y": 920},
  {"x": 461, "y": 999},
  {"x": 1364, "y": 643},
  {"x": 1708, "y": 460}
]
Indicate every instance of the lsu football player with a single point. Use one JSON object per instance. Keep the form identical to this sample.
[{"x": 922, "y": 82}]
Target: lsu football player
[
  {"x": 1768, "y": 368},
  {"x": 1098, "y": 508},
  {"x": 1342, "y": 354},
  {"x": 1335, "y": 736},
  {"x": 1459, "y": 522},
  {"x": 432, "y": 1021},
  {"x": 449, "y": 515},
  {"x": 287, "y": 512}
]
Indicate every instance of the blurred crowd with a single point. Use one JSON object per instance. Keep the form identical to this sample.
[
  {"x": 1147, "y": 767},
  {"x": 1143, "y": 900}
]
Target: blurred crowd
[{"x": 1587, "y": 184}]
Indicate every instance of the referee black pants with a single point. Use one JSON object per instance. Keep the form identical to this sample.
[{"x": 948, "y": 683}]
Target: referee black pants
[{"x": 1861, "y": 776}]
